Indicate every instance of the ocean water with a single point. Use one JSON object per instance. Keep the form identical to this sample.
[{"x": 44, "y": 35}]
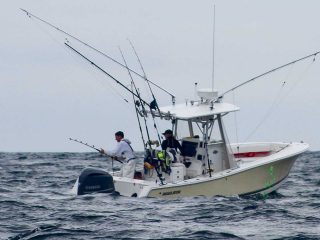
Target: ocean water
[{"x": 36, "y": 203}]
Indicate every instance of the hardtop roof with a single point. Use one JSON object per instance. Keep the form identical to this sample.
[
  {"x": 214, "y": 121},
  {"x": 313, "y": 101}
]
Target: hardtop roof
[{"x": 188, "y": 111}]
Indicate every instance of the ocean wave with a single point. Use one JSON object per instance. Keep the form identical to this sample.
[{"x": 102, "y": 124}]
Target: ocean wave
[{"x": 36, "y": 203}]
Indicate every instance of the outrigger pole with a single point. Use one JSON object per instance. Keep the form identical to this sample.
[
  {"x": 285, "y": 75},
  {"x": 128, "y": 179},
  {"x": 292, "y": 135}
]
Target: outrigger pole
[
  {"x": 98, "y": 51},
  {"x": 93, "y": 147},
  {"x": 109, "y": 75},
  {"x": 266, "y": 73}
]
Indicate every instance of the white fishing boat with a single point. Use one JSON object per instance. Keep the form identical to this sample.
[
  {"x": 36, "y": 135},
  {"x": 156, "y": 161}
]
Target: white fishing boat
[{"x": 208, "y": 164}]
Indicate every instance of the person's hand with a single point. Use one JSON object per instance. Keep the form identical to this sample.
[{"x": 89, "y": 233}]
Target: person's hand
[{"x": 102, "y": 151}]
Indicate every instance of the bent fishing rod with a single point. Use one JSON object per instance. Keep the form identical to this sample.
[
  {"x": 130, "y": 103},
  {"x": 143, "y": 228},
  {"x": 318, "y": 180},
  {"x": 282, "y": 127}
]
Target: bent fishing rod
[
  {"x": 266, "y": 73},
  {"x": 93, "y": 147},
  {"x": 29, "y": 14},
  {"x": 106, "y": 73}
]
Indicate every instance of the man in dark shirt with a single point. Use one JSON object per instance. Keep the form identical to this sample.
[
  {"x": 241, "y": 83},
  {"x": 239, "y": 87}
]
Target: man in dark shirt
[{"x": 170, "y": 142}]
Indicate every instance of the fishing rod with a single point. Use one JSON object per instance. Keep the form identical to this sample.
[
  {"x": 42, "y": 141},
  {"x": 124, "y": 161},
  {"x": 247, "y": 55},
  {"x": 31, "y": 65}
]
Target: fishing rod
[
  {"x": 159, "y": 175},
  {"x": 93, "y": 147},
  {"x": 133, "y": 94},
  {"x": 86, "y": 144},
  {"x": 263, "y": 74},
  {"x": 153, "y": 104},
  {"x": 139, "y": 97},
  {"x": 145, "y": 77},
  {"x": 29, "y": 14},
  {"x": 137, "y": 114},
  {"x": 109, "y": 75},
  {"x": 134, "y": 101}
]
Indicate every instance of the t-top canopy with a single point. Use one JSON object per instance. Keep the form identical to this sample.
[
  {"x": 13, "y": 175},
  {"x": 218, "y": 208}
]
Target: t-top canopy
[{"x": 197, "y": 110}]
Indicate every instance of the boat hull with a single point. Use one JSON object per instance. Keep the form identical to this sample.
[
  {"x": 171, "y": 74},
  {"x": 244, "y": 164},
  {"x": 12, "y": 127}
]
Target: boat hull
[
  {"x": 261, "y": 179},
  {"x": 251, "y": 176}
]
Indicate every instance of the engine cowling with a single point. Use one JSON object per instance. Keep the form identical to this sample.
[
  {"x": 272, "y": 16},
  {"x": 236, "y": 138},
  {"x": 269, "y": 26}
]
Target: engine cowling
[{"x": 95, "y": 181}]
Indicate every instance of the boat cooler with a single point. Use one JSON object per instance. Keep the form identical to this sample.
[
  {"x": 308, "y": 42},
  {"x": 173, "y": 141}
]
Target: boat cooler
[{"x": 178, "y": 171}]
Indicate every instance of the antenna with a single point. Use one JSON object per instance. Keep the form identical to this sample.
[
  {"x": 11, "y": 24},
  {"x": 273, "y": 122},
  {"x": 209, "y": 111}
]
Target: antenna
[{"x": 213, "y": 36}]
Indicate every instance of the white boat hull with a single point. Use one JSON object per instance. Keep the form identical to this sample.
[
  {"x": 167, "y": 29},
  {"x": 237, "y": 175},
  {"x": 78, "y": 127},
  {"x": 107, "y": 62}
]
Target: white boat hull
[
  {"x": 252, "y": 181},
  {"x": 256, "y": 177},
  {"x": 262, "y": 179},
  {"x": 252, "y": 176}
]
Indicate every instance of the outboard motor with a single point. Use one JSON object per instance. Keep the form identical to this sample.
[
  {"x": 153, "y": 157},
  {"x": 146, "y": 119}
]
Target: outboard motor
[{"x": 95, "y": 180}]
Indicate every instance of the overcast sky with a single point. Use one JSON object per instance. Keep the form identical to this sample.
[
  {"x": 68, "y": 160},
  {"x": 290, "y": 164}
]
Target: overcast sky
[{"x": 48, "y": 94}]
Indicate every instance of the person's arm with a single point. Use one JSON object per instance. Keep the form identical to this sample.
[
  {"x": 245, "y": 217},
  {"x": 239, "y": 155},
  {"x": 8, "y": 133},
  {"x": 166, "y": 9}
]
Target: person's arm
[
  {"x": 178, "y": 145},
  {"x": 115, "y": 152}
]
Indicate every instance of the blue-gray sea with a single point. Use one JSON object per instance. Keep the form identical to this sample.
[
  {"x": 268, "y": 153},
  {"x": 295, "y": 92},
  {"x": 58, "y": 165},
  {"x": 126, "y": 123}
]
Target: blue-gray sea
[{"x": 36, "y": 203}]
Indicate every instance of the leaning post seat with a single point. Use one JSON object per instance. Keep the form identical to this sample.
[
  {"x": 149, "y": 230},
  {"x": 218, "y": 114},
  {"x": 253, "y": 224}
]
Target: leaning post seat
[
  {"x": 189, "y": 146},
  {"x": 192, "y": 151}
]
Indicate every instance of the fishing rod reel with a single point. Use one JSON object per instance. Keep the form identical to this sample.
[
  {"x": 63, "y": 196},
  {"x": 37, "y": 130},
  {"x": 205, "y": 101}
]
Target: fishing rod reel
[
  {"x": 140, "y": 109},
  {"x": 153, "y": 142}
]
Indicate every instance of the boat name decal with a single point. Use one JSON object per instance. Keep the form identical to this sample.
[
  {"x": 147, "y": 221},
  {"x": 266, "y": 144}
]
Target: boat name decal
[{"x": 171, "y": 193}]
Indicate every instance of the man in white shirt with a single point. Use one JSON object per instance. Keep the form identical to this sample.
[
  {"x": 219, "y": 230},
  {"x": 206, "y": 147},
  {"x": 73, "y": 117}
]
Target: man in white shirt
[{"x": 123, "y": 150}]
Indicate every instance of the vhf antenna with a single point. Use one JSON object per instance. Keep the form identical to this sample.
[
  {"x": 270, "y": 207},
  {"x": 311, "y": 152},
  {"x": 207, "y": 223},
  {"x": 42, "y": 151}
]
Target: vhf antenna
[{"x": 213, "y": 38}]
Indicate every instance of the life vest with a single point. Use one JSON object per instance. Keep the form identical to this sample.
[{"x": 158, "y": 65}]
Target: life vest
[
  {"x": 165, "y": 159},
  {"x": 158, "y": 159}
]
